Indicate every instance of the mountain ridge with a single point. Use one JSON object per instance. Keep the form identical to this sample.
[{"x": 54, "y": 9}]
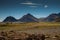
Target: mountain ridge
[
  {"x": 26, "y": 18},
  {"x": 54, "y": 17}
]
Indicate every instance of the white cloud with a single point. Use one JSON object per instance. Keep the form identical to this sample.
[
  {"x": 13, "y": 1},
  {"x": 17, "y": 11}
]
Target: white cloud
[
  {"x": 29, "y": 3},
  {"x": 33, "y": 6},
  {"x": 45, "y": 6}
]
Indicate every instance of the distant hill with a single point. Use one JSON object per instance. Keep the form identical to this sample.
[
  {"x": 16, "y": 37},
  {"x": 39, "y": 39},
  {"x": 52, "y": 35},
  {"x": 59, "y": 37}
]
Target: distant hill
[
  {"x": 10, "y": 19},
  {"x": 52, "y": 17},
  {"x": 28, "y": 18}
]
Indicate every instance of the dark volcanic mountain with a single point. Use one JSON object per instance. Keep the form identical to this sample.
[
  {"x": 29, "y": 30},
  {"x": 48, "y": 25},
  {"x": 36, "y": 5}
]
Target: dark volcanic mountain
[
  {"x": 10, "y": 19},
  {"x": 52, "y": 17},
  {"x": 28, "y": 18}
]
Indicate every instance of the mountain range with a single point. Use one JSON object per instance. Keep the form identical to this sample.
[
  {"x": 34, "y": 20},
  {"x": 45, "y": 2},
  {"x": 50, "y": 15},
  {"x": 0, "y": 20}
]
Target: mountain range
[
  {"x": 26, "y": 18},
  {"x": 54, "y": 17}
]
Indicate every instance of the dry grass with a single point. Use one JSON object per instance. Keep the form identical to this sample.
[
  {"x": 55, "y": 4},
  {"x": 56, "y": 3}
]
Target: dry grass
[{"x": 27, "y": 26}]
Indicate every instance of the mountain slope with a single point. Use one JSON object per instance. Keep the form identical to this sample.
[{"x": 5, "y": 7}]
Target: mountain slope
[
  {"x": 52, "y": 17},
  {"x": 28, "y": 18},
  {"x": 10, "y": 19},
  {"x": 57, "y": 20}
]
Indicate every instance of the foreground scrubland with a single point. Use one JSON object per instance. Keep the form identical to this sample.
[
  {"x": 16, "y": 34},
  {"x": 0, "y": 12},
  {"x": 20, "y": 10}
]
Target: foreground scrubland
[{"x": 30, "y": 31}]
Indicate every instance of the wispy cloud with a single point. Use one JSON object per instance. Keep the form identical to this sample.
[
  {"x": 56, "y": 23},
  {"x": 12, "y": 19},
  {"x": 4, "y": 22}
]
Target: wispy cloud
[
  {"x": 33, "y": 6},
  {"x": 29, "y": 3}
]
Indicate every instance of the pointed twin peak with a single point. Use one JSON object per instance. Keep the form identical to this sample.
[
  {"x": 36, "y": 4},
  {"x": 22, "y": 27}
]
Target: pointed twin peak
[
  {"x": 10, "y": 19},
  {"x": 26, "y": 18},
  {"x": 29, "y": 14}
]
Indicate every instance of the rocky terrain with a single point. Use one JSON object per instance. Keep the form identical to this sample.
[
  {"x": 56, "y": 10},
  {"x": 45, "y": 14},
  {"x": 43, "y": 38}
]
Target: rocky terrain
[{"x": 15, "y": 35}]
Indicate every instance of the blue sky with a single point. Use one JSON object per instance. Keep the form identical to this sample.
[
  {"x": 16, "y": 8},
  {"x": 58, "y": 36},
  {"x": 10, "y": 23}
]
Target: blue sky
[{"x": 18, "y": 8}]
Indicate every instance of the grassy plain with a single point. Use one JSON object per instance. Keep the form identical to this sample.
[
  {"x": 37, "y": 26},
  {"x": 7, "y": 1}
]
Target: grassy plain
[{"x": 27, "y": 26}]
